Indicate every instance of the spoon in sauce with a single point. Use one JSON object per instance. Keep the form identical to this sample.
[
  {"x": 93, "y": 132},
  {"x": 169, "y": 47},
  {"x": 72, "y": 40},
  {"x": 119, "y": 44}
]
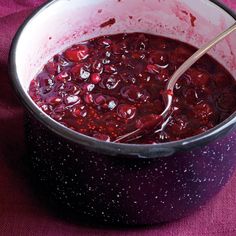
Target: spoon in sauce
[{"x": 149, "y": 123}]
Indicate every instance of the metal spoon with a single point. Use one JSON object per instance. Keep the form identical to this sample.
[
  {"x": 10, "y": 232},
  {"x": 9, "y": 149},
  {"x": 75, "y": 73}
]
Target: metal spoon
[{"x": 168, "y": 95}]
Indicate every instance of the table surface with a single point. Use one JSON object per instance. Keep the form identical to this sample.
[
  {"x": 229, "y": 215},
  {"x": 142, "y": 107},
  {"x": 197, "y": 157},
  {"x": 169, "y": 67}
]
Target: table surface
[{"x": 22, "y": 212}]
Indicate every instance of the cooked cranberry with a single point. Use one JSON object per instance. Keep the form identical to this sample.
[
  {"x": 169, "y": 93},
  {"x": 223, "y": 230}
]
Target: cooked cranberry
[
  {"x": 80, "y": 72},
  {"x": 112, "y": 104},
  {"x": 77, "y": 53},
  {"x": 191, "y": 96},
  {"x": 126, "y": 111},
  {"x": 227, "y": 102},
  {"x": 99, "y": 99},
  {"x": 95, "y": 78},
  {"x": 87, "y": 87},
  {"x": 57, "y": 116},
  {"x": 44, "y": 80},
  {"x": 59, "y": 109},
  {"x": 71, "y": 99},
  {"x": 62, "y": 77},
  {"x": 84, "y": 74},
  {"x": 200, "y": 130},
  {"x": 128, "y": 78},
  {"x": 88, "y": 98},
  {"x": 114, "y": 85},
  {"x": 132, "y": 93},
  {"x": 70, "y": 88},
  {"x": 105, "y": 102},
  {"x": 61, "y": 61},
  {"x": 141, "y": 42},
  {"x": 97, "y": 67},
  {"x": 148, "y": 108},
  {"x": 158, "y": 58},
  {"x": 105, "y": 42},
  {"x": 52, "y": 68},
  {"x": 110, "y": 82},
  {"x": 33, "y": 90},
  {"x": 163, "y": 75},
  {"x": 180, "y": 125},
  {"x": 106, "y": 61},
  {"x": 198, "y": 77},
  {"x": 203, "y": 112},
  {"x": 45, "y": 108},
  {"x": 53, "y": 100},
  {"x": 119, "y": 47},
  {"x": 80, "y": 111},
  {"x": 163, "y": 44},
  {"x": 138, "y": 55},
  {"x": 152, "y": 69},
  {"x": 180, "y": 54},
  {"x": 75, "y": 70},
  {"x": 222, "y": 80},
  {"x": 110, "y": 69}
]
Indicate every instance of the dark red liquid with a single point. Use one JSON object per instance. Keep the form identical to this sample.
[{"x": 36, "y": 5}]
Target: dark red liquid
[{"x": 112, "y": 85}]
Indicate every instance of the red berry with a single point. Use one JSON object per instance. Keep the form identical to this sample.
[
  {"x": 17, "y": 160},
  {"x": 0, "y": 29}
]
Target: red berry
[
  {"x": 110, "y": 69},
  {"x": 96, "y": 78},
  {"x": 71, "y": 99},
  {"x": 199, "y": 78},
  {"x": 163, "y": 75},
  {"x": 99, "y": 99},
  {"x": 110, "y": 82},
  {"x": 152, "y": 69},
  {"x": 77, "y": 53},
  {"x": 180, "y": 125},
  {"x": 227, "y": 102},
  {"x": 222, "y": 80},
  {"x": 97, "y": 67},
  {"x": 191, "y": 96},
  {"x": 134, "y": 94},
  {"x": 62, "y": 77},
  {"x": 80, "y": 111},
  {"x": 203, "y": 112},
  {"x": 159, "y": 58},
  {"x": 126, "y": 111},
  {"x": 88, "y": 98},
  {"x": 105, "y": 42},
  {"x": 180, "y": 55},
  {"x": 53, "y": 100},
  {"x": 52, "y": 68}
]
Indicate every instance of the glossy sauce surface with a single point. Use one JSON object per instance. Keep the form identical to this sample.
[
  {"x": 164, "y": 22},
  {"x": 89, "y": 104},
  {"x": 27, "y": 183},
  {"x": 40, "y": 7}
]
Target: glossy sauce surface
[{"x": 109, "y": 86}]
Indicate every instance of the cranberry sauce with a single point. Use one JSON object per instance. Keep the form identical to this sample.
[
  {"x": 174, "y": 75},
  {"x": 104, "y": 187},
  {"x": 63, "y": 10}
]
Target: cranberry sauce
[{"x": 109, "y": 86}]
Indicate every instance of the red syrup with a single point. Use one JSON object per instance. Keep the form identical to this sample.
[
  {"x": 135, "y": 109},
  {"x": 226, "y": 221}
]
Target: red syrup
[{"x": 112, "y": 85}]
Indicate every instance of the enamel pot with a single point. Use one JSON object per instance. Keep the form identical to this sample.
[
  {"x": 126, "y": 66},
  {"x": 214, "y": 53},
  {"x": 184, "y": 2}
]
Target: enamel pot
[{"x": 123, "y": 183}]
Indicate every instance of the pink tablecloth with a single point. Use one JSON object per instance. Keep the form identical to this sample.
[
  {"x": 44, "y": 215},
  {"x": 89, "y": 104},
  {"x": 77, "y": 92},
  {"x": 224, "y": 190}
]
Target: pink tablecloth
[{"x": 21, "y": 212}]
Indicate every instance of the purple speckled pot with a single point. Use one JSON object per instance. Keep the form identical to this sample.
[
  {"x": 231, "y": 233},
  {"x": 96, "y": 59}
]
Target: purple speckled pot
[{"x": 124, "y": 183}]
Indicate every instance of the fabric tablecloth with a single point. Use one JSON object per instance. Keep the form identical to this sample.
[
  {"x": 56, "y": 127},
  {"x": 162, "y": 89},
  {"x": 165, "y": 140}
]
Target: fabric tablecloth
[{"x": 23, "y": 214}]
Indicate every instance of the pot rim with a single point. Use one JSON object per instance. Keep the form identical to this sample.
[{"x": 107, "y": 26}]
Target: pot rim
[{"x": 135, "y": 150}]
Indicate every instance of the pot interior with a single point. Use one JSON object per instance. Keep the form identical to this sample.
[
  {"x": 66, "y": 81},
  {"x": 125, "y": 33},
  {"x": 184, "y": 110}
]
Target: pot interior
[{"x": 63, "y": 23}]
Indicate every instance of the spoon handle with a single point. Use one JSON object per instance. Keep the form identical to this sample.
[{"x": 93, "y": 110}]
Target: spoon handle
[
  {"x": 197, "y": 55},
  {"x": 189, "y": 62}
]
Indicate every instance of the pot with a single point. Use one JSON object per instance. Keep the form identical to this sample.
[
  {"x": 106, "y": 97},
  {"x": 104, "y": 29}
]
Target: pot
[{"x": 123, "y": 183}]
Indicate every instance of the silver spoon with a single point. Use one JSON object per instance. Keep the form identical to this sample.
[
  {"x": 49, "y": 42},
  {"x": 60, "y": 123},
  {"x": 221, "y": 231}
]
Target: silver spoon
[{"x": 168, "y": 95}]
